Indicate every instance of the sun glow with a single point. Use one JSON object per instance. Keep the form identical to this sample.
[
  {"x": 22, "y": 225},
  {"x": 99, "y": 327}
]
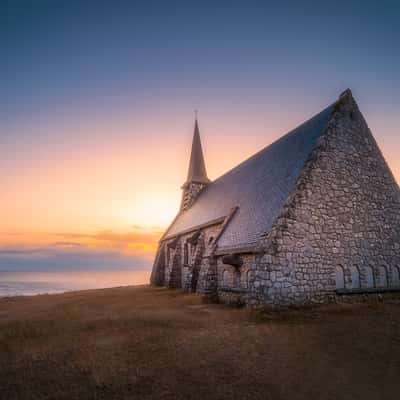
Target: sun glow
[{"x": 154, "y": 211}]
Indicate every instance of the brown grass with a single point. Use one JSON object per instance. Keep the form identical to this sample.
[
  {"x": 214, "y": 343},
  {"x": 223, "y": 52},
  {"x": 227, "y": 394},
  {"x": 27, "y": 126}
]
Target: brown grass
[{"x": 145, "y": 343}]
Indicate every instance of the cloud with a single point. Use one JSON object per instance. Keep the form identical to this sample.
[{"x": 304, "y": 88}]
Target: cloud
[
  {"x": 139, "y": 240},
  {"x": 103, "y": 249},
  {"x": 110, "y": 236},
  {"x": 67, "y": 244},
  {"x": 79, "y": 257},
  {"x": 19, "y": 251}
]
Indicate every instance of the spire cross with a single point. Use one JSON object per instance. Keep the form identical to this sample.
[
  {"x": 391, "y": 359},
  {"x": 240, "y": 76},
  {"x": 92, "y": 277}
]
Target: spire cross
[{"x": 195, "y": 113}]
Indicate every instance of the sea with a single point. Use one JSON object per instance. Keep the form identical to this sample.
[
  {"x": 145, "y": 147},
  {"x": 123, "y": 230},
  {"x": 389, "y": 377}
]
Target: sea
[{"x": 27, "y": 283}]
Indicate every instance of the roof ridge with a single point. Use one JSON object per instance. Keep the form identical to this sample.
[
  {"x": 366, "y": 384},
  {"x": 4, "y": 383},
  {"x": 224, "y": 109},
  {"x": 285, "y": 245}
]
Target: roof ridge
[{"x": 281, "y": 138}]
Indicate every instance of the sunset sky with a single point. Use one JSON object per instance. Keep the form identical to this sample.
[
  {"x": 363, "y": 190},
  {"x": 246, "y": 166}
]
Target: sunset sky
[{"x": 97, "y": 100}]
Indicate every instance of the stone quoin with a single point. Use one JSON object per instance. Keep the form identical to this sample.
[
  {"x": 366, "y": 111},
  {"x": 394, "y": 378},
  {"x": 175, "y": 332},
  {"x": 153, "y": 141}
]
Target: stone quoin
[{"x": 313, "y": 217}]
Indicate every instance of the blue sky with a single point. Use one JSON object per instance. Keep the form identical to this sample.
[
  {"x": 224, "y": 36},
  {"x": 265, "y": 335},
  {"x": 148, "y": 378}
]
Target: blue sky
[{"x": 97, "y": 100}]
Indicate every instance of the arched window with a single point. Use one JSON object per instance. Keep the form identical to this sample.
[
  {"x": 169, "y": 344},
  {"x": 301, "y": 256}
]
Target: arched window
[
  {"x": 168, "y": 255},
  {"x": 369, "y": 277},
  {"x": 355, "y": 277},
  {"x": 249, "y": 275},
  {"x": 339, "y": 277},
  {"x": 396, "y": 276},
  {"x": 226, "y": 278},
  {"x": 211, "y": 239},
  {"x": 382, "y": 280},
  {"x": 185, "y": 253}
]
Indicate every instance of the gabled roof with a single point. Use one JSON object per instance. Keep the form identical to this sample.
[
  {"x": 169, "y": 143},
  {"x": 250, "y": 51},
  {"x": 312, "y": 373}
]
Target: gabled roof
[
  {"x": 259, "y": 187},
  {"x": 197, "y": 168}
]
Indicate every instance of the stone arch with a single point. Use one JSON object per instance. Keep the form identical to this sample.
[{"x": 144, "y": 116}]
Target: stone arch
[
  {"x": 339, "y": 271},
  {"x": 185, "y": 253},
  {"x": 369, "y": 277},
  {"x": 175, "y": 265},
  {"x": 226, "y": 278},
  {"x": 196, "y": 261},
  {"x": 382, "y": 276},
  {"x": 249, "y": 276},
  {"x": 396, "y": 276},
  {"x": 355, "y": 277}
]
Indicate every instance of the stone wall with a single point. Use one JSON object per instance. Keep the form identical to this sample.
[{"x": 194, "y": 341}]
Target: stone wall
[
  {"x": 190, "y": 193},
  {"x": 157, "y": 277},
  {"x": 196, "y": 273},
  {"x": 345, "y": 211},
  {"x": 174, "y": 271},
  {"x": 339, "y": 229}
]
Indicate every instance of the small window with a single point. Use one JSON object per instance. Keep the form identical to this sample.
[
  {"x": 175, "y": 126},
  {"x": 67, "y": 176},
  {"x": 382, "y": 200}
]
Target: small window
[
  {"x": 396, "y": 276},
  {"x": 382, "y": 280},
  {"x": 249, "y": 276},
  {"x": 339, "y": 277},
  {"x": 185, "y": 254},
  {"x": 211, "y": 239},
  {"x": 168, "y": 255},
  {"x": 369, "y": 277},
  {"x": 355, "y": 277},
  {"x": 226, "y": 278}
]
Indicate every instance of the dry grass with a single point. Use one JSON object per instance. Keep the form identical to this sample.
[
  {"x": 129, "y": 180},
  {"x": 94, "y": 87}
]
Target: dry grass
[{"x": 145, "y": 343}]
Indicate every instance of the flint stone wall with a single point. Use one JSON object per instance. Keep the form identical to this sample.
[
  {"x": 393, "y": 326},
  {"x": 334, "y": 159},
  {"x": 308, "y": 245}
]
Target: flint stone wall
[
  {"x": 198, "y": 274},
  {"x": 345, "y": 211}
]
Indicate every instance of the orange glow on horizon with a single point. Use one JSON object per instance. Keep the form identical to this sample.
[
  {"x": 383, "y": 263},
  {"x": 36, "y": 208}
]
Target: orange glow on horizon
[{"x": 121, "y": 191}]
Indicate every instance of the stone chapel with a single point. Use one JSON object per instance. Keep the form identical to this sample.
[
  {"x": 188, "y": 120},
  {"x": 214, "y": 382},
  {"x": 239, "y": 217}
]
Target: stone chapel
[{"x": 313, "y": 217}]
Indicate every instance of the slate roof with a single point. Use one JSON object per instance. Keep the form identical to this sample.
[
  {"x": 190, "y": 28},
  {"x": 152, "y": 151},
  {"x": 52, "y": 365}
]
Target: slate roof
[{"x": 259, "y": 186}]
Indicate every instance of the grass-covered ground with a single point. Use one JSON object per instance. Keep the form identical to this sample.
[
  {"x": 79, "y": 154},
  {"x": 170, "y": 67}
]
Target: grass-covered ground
[{"x": 145, "y": 343}]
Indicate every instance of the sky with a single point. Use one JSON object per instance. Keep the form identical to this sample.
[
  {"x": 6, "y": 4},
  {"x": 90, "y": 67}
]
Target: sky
[{"x": 97, "y": 101}]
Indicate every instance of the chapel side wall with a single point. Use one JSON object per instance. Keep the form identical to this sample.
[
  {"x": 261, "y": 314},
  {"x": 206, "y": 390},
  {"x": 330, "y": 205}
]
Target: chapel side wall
[
  {"x": 175, "y": 272},
  {"x": 205, "y": 262},
  {"x": 157, "y": 277},
  {"x": 345, "y": 211},
  {"x": 196, "y": 274}
]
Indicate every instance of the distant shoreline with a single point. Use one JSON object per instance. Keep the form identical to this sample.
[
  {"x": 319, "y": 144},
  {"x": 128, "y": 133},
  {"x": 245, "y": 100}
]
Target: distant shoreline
[
  {"x": 73, "y": 291},
  {"x": 88, "y": 269},
  {"x": 30, "y": 283}
]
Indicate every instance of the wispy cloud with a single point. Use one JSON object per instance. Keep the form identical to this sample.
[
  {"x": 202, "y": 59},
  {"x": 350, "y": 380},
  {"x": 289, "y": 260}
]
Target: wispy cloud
[
  {"x": 80, "y": 258},
  {"x": 103, "y": 249},
  {"x": 114, "y": 237},
  {"x": 67, "y": 244}
]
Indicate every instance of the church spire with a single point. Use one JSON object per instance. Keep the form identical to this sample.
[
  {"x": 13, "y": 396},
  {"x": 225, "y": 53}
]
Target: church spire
[
  {"x": 197, "y": 178},
  {"x": 197, "y": 168}
]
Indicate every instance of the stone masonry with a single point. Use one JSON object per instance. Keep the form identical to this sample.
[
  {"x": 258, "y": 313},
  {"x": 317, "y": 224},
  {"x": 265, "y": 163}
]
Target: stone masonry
[{"x": 336, "y": 238}]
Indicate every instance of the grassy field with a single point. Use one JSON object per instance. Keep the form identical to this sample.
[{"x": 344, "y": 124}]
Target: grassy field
[{"x": 146, "y": 343}]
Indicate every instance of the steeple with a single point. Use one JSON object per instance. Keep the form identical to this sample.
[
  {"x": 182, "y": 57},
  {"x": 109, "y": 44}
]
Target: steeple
[
  {"x": 197, "y": 175},
  {"x": 197, "y": 168}
]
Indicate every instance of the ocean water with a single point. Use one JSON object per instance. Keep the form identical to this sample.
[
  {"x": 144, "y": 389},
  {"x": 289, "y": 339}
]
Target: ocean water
[{"x": 39, "y": 282}]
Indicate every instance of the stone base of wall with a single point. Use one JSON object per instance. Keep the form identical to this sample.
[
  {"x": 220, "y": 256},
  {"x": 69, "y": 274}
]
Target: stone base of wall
[
  {"x": 241, "y": 297},
  {"x": 237, "y": 297},
  {"x": 367, "y": 295}
]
